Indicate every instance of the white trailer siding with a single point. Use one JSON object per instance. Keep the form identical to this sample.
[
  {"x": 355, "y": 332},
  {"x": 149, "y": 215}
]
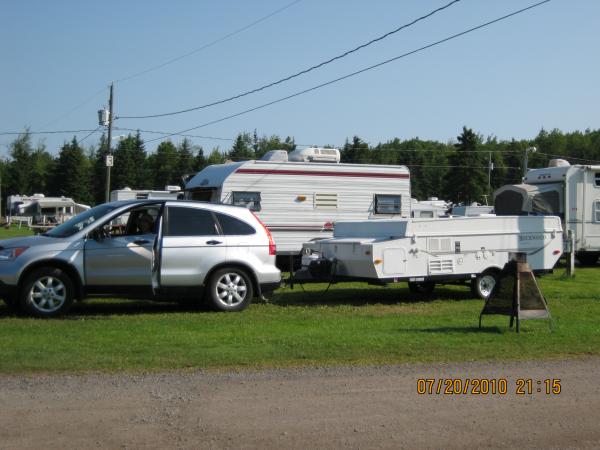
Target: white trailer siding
[
  {"x": 299, "y": 201},
  {"x": 445, "y": 248}
]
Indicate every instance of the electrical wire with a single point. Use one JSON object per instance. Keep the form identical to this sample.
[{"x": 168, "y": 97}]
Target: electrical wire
[
  {"x": 297, "y": 74},
  {"x": 90, "y": 134},
  {"x": 8, "y": 133},
  {"x": 404, "y": 55},
  {"x": 210, "y": 44}
]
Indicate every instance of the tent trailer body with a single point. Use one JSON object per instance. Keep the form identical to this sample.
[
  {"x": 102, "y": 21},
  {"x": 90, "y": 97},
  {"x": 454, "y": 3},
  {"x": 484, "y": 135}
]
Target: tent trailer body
[{"x": 435, "y": 250}]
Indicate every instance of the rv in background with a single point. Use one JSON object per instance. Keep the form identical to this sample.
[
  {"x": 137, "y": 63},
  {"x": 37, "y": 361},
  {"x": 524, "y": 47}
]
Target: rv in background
[
  {"x": 429, "y": 209},
  {"x": 170, "y": 192},
  {"x": 570, "y": 192},
  {"x": 301, "y": 195},
  {"x": 472, "y": 210},
  {"x": 42, "y": 209}
]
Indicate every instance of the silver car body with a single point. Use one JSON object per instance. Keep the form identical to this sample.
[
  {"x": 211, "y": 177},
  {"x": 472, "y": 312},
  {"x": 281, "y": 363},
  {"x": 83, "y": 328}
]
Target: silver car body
[{"x": 148, "y": 264}]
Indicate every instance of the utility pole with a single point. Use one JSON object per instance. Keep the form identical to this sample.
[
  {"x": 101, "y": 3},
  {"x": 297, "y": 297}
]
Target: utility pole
[
  {"x": 109, "y": 157},
  {"x": 490, "y": 168}
]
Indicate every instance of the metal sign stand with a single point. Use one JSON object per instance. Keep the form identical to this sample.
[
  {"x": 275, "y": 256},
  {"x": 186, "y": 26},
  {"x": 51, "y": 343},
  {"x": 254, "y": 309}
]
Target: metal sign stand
[{"x": 516, "y": 294}]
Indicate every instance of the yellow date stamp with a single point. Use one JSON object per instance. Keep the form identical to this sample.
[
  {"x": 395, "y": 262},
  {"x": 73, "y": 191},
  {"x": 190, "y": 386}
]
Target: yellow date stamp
[{"x": 488, "y": 386}]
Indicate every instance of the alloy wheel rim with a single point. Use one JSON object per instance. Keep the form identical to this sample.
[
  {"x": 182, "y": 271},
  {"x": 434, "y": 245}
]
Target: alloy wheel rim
[
  {"x": 231, "y": 289},
  {"x": 486, "y": 285},
  {"x": 48, "y": 294}
]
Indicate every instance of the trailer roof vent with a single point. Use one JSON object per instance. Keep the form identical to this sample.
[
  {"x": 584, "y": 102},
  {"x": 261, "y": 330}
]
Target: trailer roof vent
[
  {"x": 315, "y": 154},
  {"x": 558, "y": 163},
  {"x": 275, "y": 155}
]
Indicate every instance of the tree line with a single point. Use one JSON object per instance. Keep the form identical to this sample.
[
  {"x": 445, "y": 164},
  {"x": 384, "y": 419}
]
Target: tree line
[{"x": 458, "y": 171}]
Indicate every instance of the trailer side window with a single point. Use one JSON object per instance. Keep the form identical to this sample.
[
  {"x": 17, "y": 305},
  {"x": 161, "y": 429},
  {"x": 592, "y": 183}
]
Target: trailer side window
[
  {"x": 597, "y": 211},
  {"x": 597, "y": 179},
  {"x": 387, "y": 204},
  {"x": 250, "y": 200}
]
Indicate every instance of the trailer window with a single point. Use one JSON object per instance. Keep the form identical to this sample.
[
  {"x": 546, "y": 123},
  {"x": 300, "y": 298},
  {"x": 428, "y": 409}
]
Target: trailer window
[
  {"x": 250, "y": 200},
  {"x": 387, "y": 204},
  {"x": 597, "y": 211},
  {"x": 597, "y": 179}
]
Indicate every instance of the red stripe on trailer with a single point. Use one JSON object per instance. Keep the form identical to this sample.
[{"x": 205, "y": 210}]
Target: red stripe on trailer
[{"x": 323, "y": 173}]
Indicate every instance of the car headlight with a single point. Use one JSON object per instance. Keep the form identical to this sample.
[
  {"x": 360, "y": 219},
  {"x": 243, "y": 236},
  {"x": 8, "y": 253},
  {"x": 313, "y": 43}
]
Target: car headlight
[{"x": 7, "y": 254}]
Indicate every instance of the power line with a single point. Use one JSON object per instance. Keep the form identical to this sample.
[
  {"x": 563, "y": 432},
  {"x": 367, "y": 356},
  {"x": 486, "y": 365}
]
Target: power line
[
  {"x": 404, "y": 55},
  {"x": 8, "y": 133},
  {"x": 297, "y": 74},
  {"x": 90, "y": 134},
  {"x": 210, "y": 44},
  {"x": 75, "y": 108}
]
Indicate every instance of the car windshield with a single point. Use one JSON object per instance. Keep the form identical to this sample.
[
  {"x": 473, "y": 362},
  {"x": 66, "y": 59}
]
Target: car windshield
[{"x": 80, "y": 221}]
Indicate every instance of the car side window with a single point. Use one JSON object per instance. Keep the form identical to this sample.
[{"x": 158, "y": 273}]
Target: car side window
[
  {"x": 182, "y": 221},
  {"x": 232, "y": 226}
]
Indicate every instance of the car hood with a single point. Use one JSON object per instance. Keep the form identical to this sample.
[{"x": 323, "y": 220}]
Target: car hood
[{"x": 30, "y": 241}]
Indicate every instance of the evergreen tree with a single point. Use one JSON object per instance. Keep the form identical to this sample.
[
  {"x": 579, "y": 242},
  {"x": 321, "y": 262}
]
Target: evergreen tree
[
  {"x": 356, "y": 152},
  {"x": 467, "y": 179},
  {"x": 130, "y": 165},
  {"x": 20, "y": 168},
  {"x": 199, "y": 161},
  {"x": 215, "y": 157},
  {"x": 242, "y": 148},
  {"x": 164, "y": 165},
  {"x": 72, "y": 173},
  {"x": 186, "y": 160}
]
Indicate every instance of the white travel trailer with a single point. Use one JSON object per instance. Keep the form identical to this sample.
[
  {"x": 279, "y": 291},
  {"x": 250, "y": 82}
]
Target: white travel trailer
[
  {"x": 170, "y": 192},
  {"x": 570, "y": 192},
  {"x": 299, "y": 201},
  {"x": 428, "y": 251},
  {"x": 42, "y": 209}
]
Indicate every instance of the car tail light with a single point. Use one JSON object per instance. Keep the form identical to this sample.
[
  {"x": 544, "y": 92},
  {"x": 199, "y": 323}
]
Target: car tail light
[{"x": 272, "y": 248}]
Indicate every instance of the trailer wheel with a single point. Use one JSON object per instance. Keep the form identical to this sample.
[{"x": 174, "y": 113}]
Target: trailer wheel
[
  {"x": 424, "y": 288},
  {"x": 587, "y": 258},
  {"x": 484, "y": 283}
]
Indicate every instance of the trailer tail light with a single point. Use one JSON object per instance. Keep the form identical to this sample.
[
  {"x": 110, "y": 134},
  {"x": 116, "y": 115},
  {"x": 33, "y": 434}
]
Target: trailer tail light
[
  {"x": 272, "y": 248},
  {"x": 556, "y": 252}
]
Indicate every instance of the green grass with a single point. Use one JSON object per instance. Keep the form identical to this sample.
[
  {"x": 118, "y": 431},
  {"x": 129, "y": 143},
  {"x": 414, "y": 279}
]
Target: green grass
[
  {"x": 14, "y": 231},
  {"x": 350, "y": 324}
]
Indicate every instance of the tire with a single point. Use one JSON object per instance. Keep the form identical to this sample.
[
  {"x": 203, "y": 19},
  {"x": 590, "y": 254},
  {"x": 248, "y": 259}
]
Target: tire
[
  {"x": 587, "y": 258},
  {"x": 484, "y": 283},
  {"x": 46, "y": 292},
  {"x": 424, "y": 288},
  {"x": 229, "y": 289}
]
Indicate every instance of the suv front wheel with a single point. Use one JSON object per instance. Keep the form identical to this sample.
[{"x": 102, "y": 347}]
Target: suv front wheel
[
  {"x": 46, "y": 292},
  {"x": 229, "y": 289}
]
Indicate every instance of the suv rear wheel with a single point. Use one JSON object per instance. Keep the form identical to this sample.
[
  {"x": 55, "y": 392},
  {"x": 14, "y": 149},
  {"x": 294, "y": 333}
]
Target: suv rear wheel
[
  {"x": 46, "y": 292},
  {"x": 229, "y": 289}
]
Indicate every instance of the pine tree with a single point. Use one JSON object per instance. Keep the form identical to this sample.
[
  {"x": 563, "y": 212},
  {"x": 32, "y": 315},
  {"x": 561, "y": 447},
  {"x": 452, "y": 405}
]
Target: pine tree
[
  {"x": 72, "y": 173},
  {"x": 467, "y": 179},
  {"x": 242, "y": 148}
]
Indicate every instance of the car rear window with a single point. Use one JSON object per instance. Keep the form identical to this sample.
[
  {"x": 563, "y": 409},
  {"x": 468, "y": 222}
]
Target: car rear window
[
  {"x": 232, "y": 226},
  {"x": 190, "y": 222}
]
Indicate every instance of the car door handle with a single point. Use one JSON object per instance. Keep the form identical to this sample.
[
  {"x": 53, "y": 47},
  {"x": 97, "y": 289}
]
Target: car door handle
[
  {"x": 141, "y": 241},
  {"x": 213, "y": 242}
]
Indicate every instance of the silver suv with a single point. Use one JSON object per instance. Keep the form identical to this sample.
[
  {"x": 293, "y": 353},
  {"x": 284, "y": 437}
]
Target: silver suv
[{"x": 160, "y": 249}]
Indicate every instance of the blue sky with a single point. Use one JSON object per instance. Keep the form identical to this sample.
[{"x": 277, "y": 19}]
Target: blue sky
[{"x": 538, "y": 69}]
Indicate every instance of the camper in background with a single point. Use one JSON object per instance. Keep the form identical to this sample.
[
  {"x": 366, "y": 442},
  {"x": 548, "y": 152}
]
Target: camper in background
[
  {"x": 300, "y": 195},
  {"x": 570, "y": 192}
]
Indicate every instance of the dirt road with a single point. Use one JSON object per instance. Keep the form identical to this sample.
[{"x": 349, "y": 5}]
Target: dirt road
[{"x": 367, "y": 407}]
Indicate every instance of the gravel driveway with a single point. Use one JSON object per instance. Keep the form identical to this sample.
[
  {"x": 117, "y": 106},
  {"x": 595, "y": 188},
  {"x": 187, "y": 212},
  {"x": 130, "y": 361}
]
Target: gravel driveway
[{"x": 366, "y": 407}]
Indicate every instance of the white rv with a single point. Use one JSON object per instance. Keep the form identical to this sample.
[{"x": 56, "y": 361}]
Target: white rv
[
  {"x": 46, "y": 210},
  {"x": 428, "y": 251},
  {"x": 299, "y": 201},
  {"x": 170, "y": 192},
  {"x": 571, "y": 192}
]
